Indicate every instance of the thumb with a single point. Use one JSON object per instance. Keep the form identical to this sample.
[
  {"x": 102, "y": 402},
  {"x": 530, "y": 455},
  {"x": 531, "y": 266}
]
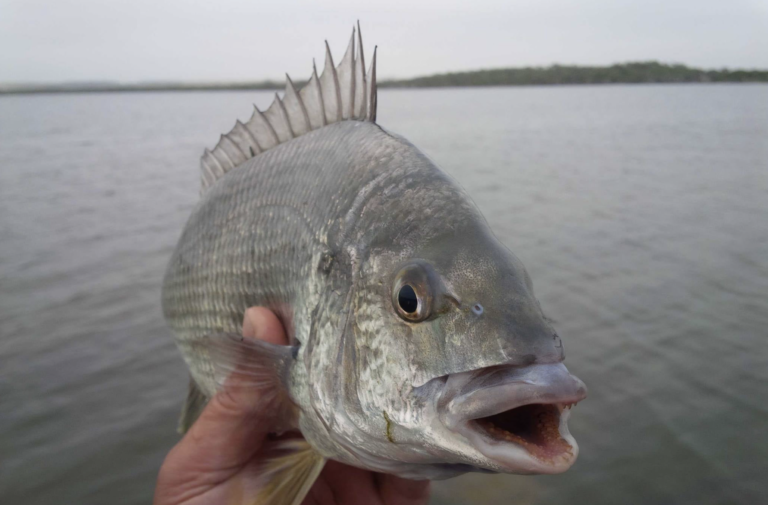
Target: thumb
[{"x": 234, "y": 424}]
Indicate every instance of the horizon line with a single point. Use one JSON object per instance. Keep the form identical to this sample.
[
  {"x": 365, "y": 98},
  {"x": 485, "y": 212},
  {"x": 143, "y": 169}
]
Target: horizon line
[{"x": 687, "y": 74}]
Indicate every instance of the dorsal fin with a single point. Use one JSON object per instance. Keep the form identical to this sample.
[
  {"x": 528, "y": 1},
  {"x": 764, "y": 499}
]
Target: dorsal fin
[{"x": 340, "y": 93}]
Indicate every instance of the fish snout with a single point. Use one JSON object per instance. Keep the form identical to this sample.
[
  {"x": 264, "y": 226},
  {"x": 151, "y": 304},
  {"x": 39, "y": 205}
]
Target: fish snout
[{"x": 515, "y": 416}]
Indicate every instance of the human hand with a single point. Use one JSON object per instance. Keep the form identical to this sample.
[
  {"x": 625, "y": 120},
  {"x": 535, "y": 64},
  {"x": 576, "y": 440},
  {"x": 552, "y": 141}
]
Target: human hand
[{"x": 218, "y": 460}]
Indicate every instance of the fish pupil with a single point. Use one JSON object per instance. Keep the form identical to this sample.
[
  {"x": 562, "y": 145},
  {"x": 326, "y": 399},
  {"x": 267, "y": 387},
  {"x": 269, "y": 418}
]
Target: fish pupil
[{"x": 407, "y": 299}]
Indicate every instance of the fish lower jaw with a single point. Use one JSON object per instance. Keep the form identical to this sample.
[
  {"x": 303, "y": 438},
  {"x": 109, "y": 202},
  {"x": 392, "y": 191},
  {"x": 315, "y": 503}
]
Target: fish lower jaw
[
  {"x": 515, "y": 418},
  {"x": 531, "y": 439}
]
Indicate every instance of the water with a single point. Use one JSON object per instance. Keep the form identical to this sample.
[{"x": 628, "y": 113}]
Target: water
[{"x": 641, "y": 213}]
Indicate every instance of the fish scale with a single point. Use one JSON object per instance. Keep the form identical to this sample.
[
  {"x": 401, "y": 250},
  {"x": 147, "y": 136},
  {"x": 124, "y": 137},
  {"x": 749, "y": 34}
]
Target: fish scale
[{"x": 269, "y": 218}]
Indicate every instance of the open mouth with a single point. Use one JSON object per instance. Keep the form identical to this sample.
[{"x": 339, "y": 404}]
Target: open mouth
[
  {"x": 516, "y": 417},
  {"x": 534, "y": 427}
]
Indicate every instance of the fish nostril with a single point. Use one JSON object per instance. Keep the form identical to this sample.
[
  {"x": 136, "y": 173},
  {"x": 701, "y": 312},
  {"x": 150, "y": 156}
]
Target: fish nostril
[{"x": 477, "y": 309}]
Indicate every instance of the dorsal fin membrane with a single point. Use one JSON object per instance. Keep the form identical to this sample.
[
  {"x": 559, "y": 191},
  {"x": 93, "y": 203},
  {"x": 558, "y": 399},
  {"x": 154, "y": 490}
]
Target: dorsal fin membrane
[{"x": 344, "y": 92}]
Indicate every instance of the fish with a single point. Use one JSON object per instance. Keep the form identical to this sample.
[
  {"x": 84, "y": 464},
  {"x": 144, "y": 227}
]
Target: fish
[{"x": 417, "y": 346}]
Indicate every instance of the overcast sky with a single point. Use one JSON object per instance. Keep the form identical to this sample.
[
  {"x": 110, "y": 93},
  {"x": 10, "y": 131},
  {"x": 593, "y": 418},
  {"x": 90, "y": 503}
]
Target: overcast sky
[{"x": 158, "y": 40}]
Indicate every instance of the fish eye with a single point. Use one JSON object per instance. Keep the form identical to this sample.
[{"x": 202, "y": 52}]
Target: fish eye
[
  {"x": 407, "y": 299},
  {"x": 412, "y": 292}
]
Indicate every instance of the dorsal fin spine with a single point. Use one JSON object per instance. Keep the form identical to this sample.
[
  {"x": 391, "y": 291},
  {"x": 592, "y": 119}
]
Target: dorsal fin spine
[
  {"x": 371, "y": 113},
  {"x": 361, "y": 87},
  {"x": 289, "y": 86},
  {"x": 221, "y": 155},
  {"x": 336, "y": 86},
  {"x": 319, "y": 92},
  {"x": 269, "y": 126},
  {"x": 218, "y": 166},
  {"x": 207, "y": 172},
  {"x": 247, "y": 132},
  {"x": 346, "y": 75},
  {"x": 285, "y": 115},
  {"x": 329, "y": 86},
  {"x": 234, "y": 145},
  {"x": 343, "y": 92},
  {"x": 276, "y": 118}
]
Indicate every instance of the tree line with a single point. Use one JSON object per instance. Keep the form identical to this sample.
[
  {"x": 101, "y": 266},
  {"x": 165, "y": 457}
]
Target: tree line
[{"x": 637, "y": 72}]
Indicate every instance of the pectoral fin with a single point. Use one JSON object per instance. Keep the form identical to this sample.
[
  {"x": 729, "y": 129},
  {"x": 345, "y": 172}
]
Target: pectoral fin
[
  {"x": 244, "y": 365},
  {"x": 241, "y": 365},
  {"x": 289, "y": 475},
  {"x": 253, "y": 363}
]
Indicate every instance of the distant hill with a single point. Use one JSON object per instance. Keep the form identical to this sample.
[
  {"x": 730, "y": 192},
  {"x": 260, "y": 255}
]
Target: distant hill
[{"x": 638, "y": 72}]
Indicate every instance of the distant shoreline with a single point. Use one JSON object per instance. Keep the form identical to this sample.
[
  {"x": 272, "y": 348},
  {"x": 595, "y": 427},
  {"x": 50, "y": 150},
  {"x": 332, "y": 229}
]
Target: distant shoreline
[{"x": 626, "y": 73}]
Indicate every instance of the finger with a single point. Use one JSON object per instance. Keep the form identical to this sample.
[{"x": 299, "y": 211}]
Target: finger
[
  {"x": 398, "y": 491},
  {"x": 263, "y": 324},
  {"x": 349, "y": 485},
  {"x": 233, "y": 425}
]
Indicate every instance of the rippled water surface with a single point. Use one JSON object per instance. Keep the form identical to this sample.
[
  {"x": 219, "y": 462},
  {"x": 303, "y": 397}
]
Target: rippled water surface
[{"x": 641, "y": 213}]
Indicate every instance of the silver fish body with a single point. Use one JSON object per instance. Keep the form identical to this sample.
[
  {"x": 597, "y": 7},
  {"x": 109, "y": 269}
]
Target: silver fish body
[{"x": 325, "y": 230}]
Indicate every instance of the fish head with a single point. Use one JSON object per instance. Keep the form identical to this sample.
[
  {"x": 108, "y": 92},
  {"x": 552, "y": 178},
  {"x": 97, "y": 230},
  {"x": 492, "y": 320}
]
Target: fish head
[{"x": 456, "y": 355}]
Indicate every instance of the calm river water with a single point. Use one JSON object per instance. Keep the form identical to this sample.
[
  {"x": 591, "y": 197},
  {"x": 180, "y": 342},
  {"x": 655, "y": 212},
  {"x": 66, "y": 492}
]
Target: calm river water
[{"x": 641, "y": 213}]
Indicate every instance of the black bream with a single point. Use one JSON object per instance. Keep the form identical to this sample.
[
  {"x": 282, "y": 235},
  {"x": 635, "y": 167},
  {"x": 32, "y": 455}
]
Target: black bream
[{"x": 418, "y": 347}]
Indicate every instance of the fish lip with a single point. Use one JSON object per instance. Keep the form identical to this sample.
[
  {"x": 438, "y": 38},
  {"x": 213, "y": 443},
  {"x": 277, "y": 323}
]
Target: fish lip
[{"x": 492, "y": 391}]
